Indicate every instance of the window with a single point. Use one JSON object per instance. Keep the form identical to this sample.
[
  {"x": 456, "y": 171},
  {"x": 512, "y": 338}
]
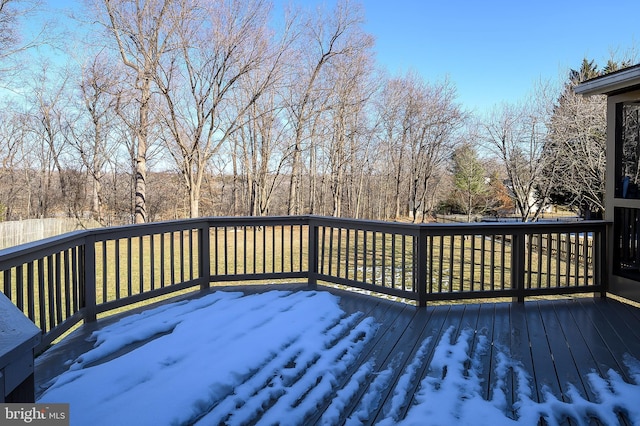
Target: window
[{"x": 627, "y": 150}]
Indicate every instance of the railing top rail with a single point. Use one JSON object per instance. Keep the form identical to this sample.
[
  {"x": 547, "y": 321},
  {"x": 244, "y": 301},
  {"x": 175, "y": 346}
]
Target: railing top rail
[
  {"x": 517, "y": 227},
  {"x": 31, "y": 251},
  {"x": 403, "y": 227},
  {"x": 477, "y": 227}
]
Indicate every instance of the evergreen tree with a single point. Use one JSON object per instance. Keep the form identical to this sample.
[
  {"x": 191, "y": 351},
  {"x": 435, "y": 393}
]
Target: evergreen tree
[
  {"x": 469, "y": 180},
  {"x": 587, "y": 70}
]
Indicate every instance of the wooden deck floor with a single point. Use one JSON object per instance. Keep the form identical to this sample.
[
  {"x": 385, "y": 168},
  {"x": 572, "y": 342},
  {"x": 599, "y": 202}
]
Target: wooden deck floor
[{"x": 557, "y": 342}]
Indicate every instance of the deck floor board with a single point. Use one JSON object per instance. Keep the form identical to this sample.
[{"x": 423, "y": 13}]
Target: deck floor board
[{"x": 556, "y": 342}]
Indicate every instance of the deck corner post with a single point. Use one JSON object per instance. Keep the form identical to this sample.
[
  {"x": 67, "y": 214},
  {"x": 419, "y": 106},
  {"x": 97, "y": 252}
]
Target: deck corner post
[
  {"x": 518, "y": 266},
  {"x": 312, "y": 260},
  {"x": 204, "y": 256},
  {"x": 88, "y": 287},
  {"x": 421, "y": 273},
  {"x": 600, "y": 246}
]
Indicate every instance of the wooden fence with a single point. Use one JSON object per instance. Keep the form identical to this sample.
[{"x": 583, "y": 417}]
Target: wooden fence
[{"x": 18, "y": 232}]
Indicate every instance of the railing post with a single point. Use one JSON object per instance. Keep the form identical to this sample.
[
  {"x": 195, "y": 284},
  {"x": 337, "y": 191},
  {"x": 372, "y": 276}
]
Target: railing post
[
  {"x": 421, "y": 272},
  {"x": 89, "y": 278},
  {"x": 517, "y": 265},
  {"x": 204, "y": 256},
  {"x": 600, "y": 244},
  {"x": 312, "y": 260}
]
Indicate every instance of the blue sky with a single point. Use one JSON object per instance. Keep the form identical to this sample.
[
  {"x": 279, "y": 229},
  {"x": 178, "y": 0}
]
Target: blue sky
[
  {"x": 492, "y": 50},
  {"x": 495, "y": 50}
]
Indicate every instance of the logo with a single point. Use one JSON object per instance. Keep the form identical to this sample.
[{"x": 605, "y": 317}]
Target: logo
[{"x": 34, "y": 414}]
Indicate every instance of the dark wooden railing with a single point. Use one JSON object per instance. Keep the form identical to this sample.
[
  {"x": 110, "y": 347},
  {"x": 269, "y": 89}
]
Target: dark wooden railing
[{"x": 61, "y": 281}]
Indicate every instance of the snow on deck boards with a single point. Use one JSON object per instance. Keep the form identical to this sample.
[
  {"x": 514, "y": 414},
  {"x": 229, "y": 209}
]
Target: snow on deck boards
[{"x": 352, "y": 359}]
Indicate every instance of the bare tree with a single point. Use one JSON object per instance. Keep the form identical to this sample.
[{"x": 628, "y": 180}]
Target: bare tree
[
  {"x": 91, "y": 128},
  {"x": 517, "y": 135},
  {"x": 578, "y": 141},
  {"x": 419, "y": 122},
  {"x": 323, "y": 38},
  {"x": 348, "y": 143},
  {"x": 218, "y": 46},
  {"x": 262, "y": 151},
  {"x": 13, "y": 191},
  {"x": 142, "y": 31},
  {"x": 12, "y": 42}
]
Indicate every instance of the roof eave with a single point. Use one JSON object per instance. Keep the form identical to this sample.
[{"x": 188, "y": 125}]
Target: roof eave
[{"x": 624, "y": 80}]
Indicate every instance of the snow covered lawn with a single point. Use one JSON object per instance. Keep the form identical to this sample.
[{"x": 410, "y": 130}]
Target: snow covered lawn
[{"x": 227, "y": 358}]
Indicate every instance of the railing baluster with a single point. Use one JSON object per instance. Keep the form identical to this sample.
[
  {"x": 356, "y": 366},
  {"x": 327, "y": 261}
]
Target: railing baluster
[
  {"x": 226, "y": 251},
  {"x": 549, "y": 238},
  {"x": 301, "y": 248},
  {"x": 492, "y": 266},
  {"x": 291, "y": 251},
  {"x": 282, "y": 252},
  {"x": 384, "y": 255},
  {"x": 503, "y": 262},
  {"x": 568, "y": 261},
  {"x": 404, "y": 261},
  {"x": 105, "y": 264},
  {"x": 440, "y": 263},
  {"x": 472, "y": 263},
  {"x": 42, "y": 295},
  {"x": 528, "y": 241},
  {"x": 430, "y": 262},
  {"x": 129, "y": 268},
  {"x": 393, "y": 260},
  {"x": 141, "y": 263},
  {"x": 7, "y": 283},
  {"x": 67, "y": 285},
  {"x": 462, "y": 262},
  {"x": 116, "y": 267},
  {"x": 355, "y": 254},
  {"x": 20, "y": 289},
  {"x": 585, "y": 257},
  {"x": 216, "y": 257},
  {"x": 255, "y": 258},
  {"x": 235, "y": 249},
  {"x": 191, "y": 254},
  {"x": 273, "y": 248},
  {"x": 346, "y": 256},
  {"x": 31, "y": 294},
  {"x": 373, "y": 258},
  {"x": 182, "y": 255},
  {"x": 339, "y": 260},
  {"x": 322, "y": 245},
  {"x": 51, "y": 291},
  {"x": 152, "y": 262},
  {"x": 540, "y": 258},
  {"x": 264, "y": 249},
  {"x": 364, "y": 255},
  {"x": 75, "y": 274},
  {"x": 576, "y": 267},
  {"x": 452, "y": 241}
]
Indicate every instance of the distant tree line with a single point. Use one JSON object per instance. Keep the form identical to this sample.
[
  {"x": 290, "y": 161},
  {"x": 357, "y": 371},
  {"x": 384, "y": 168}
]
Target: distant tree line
[{"x": 161, "y": 109}]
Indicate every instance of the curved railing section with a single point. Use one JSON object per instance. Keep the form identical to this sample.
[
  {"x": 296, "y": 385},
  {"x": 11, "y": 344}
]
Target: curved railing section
[{"x": 75, "y": 277}]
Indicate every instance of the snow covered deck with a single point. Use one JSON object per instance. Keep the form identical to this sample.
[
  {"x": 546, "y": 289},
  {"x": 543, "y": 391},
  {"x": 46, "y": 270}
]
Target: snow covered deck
[{"x": 284, "y": 353}]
